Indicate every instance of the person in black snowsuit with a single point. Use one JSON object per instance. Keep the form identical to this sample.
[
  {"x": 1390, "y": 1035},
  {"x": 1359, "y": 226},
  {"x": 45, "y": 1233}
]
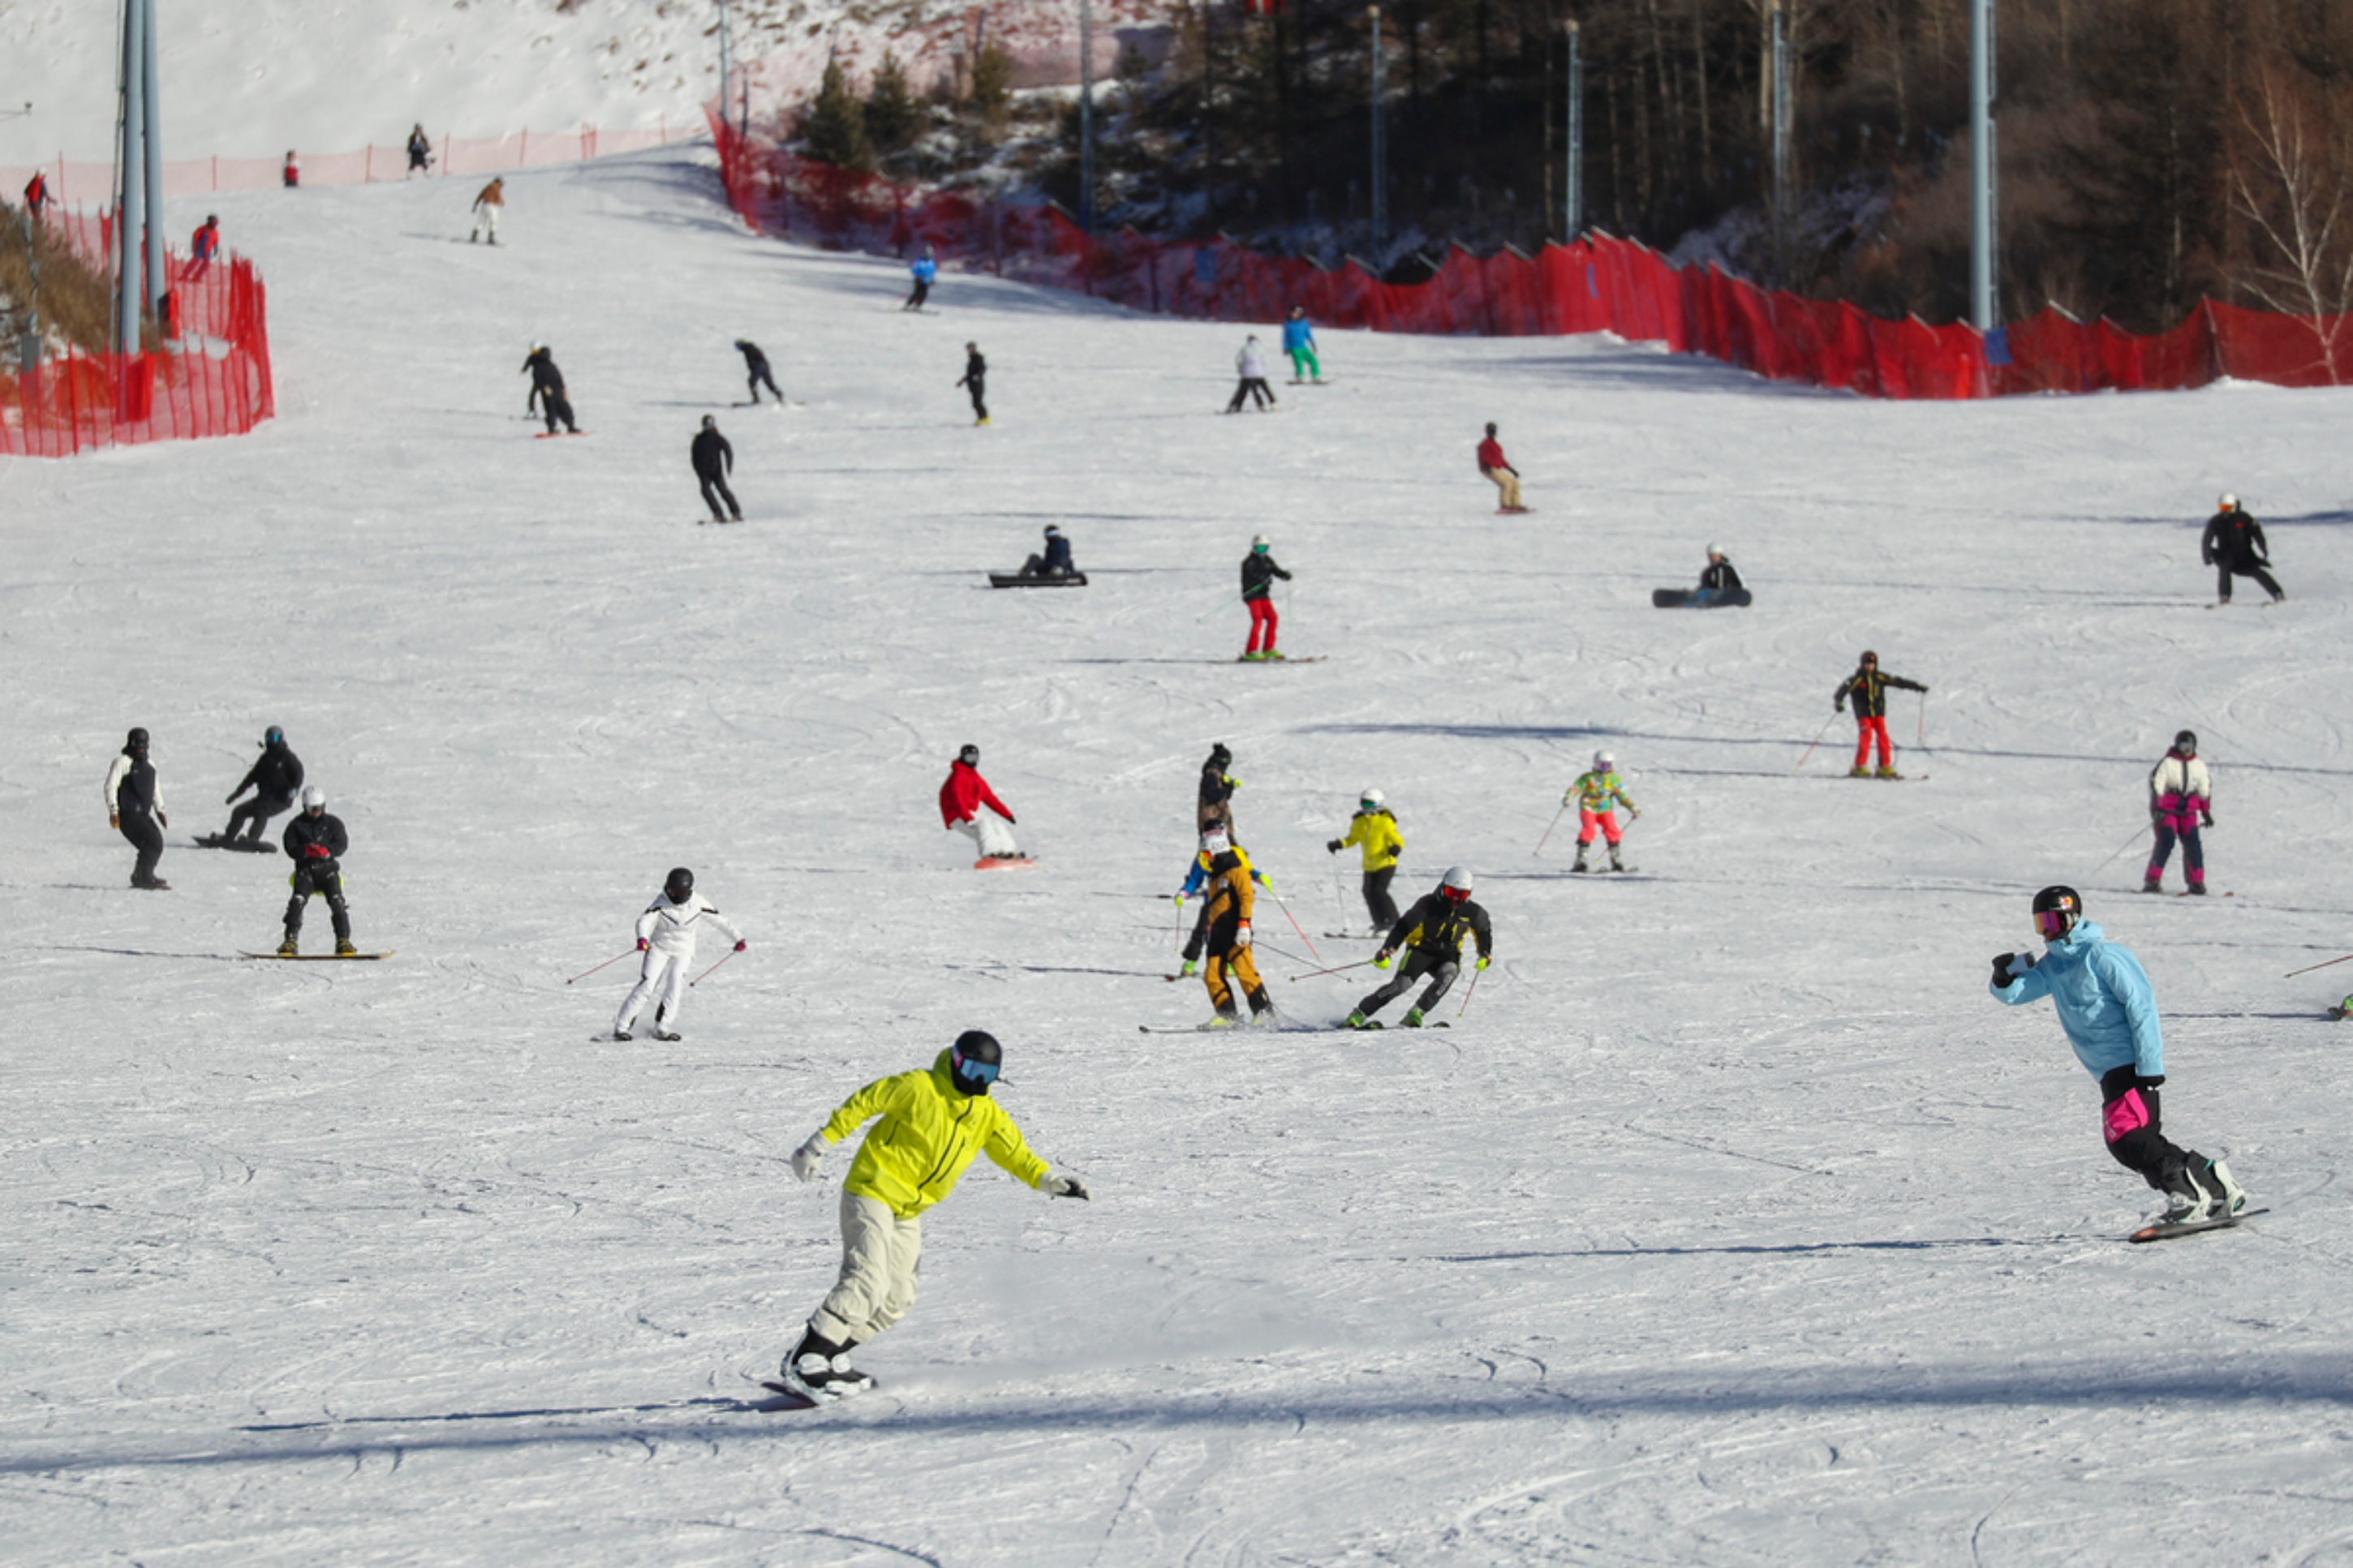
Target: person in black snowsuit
[
  {"x": 1719, "y": 578},
  {"x": 134, "y": 807},
  {"x": 975, "y": 378},
  {"x": 547, "y": 386},
  {"x": 1215, "y": 803},
  {"x": 1055, "y": 562},
  {"x": 275, "y": 778},
  {"x": 317, "y": 843},
  {"x": 715, "y": 459},
  {"x": 420, "y": 152},
  {"x": 2233, "y": 545},
  {"x": 755, "y": 370},
  {"x": 1432, "y": 933}
]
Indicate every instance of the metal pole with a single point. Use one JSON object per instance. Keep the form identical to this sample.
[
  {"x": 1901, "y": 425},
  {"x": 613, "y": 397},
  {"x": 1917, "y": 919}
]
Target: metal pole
[
  {"x": 131, "y": 195},
  {"x": 1086, "y": 117},
  {"x": 1981, "y": 166},
  {"x": 1780, "y": 139},
  {"x": 1573, "y": 202},
  {"x": 726, "y": 51},
  {"x": 158, "y": 280},
  {"x": 1380, "y": 147}
]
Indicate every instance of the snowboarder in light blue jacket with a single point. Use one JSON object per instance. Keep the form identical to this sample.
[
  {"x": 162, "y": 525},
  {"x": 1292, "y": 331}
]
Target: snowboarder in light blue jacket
[
  {"x": 2109, "y": 1011},
  {"x": 1299, "y": 342}
]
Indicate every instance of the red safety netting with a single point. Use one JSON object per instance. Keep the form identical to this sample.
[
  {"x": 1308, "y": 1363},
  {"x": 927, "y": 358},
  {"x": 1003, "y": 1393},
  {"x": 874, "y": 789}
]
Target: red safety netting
[{"x": 1595, "y": 284}]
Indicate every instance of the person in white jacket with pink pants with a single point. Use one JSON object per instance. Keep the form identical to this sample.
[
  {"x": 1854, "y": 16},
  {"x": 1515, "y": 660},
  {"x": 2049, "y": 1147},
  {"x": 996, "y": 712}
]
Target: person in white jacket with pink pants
[{"x": 666, "y": 935}]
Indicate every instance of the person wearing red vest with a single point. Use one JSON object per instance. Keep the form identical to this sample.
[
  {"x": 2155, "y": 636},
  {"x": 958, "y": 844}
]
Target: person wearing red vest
[
  {"x": 37, "y": 194},
  {"x": 203, "y": 244}
]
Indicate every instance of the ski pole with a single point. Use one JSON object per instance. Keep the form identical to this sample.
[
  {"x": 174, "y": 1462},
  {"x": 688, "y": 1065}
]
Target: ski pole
[
  {"x": 1339, "y": 899},
  {"x": 1467, "y": 995},
  {"x": 1920, "y": 732},
  {"x": 1279, "y": 952},
  {"x": 1815, "y": 742},
  {"x": 1294, "y": 922},
  {"x": 2310, "y": 968},
  {"x": 2111, "y": 859},
  {"x": 706, "y": 973},
  {"x": 606, "y": 965},
  {"x": 1556, "y": 822},
  {"x": 1213, "y": 609},
  {"x": 1180, "y": 922},
  {"x": 1336, "y": 970}
]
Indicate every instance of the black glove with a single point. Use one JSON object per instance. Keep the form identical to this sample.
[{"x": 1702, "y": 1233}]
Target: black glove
[
  {"x": 2139, "y": 1082},
  {"x": 2210, "y": 820},
  {"x": 2003, "y": 975},
  {"x": 1333, "y": 848},
  {"x": 1838, "y": 704}
]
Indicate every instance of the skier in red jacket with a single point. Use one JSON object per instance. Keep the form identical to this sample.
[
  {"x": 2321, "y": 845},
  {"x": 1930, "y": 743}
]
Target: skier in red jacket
[
  {"x": 961, "y": 799},
  {"x": 1500, "y": 473}
]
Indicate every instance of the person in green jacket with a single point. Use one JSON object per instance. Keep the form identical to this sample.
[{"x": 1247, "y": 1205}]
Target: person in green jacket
[
  {"x": 1375, "y": 831},
  {"x": 933, "y": 1123}
]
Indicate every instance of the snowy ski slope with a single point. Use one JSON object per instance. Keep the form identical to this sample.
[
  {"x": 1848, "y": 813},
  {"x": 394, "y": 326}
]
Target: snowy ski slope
[{"x": 1733, "y": 1223}]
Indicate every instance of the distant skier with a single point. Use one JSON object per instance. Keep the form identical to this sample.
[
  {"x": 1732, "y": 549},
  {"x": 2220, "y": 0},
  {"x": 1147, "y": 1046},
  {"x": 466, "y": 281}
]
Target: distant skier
[
  {"x": 755, "y": 370},
  {"x": 290, "y": 173},
  {"x": 1718, "y": 579},
  {"x": 317, "y": 843},
  {"x": 933, "y": 1123},
  {"x": 1197, "y": 875},
  {"x": 275, "y": 778},
  {"x": 36, "y": 197},
  {"x": 2109, "y": 1012},
  {"x": 1226, "y": 917},
  {"x": 1597, "y": 797},
  {"x": 489, "y": 202},
  {"x": 1374, "y": 831},
  {"x": 1299, "y": 342},
  {"x": 1250, "y": 364},
  {"x": 547, "y": 386},
  {"x": 420, "y": 152},
  {"x": 666, "y": 935},
  {"x": 1432, "y": 933},
  {"x": 1055, "y": 562},
  {"x": 1500, "y": 473},
  {"x": 2233, "y": 545},
  {"x": 2180, "y": 794},
  {"x": 925, "y": 267},
  {"x": 203, "y": 246},
  {"x": 1214, "y": 801},
  {"x": 961, "y": 799},
  {"x": 134, "y": 807},
  {"x": 1259, "y": 572},
  {"x": 975, "y": 378},
  {"x": 1869, "y": 689},
  {"x": 715, "y": 459}
]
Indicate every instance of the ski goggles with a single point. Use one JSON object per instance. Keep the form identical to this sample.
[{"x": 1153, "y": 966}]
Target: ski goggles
[
  {"x": 1455, "y": 894},
  {"x": 2054, "y": 923},
  {"x": 974, "y": 1072}
]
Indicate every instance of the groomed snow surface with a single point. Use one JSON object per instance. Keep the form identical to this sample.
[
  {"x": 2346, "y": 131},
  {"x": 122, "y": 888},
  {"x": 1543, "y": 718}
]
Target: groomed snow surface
[{"x": 1732, "y": 1224}]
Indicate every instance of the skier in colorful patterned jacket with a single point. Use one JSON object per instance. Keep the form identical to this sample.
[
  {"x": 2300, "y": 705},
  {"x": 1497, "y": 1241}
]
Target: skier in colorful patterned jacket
[
  {"x": 2109, "y": 1011},
  {"x": 1432, "y": 933},
  {"x": 933, "y": 1123},
  {"x": 2180, "y": 797},
  {"x": 1597, "y": 797},
  {"x": 1869, "y": 688}
]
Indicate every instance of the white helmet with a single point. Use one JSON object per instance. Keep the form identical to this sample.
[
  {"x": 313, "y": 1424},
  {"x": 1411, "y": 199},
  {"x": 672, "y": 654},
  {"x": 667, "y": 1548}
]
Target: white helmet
[
  {"x": 1260, "y": 542},
  {"x": 1456, "y": 884},
  {"x": 313, "y": 798},
  {"x": 1713, "y": 553},
  {"x": 1603, "y": 762},
  {"x": 2229, "y": 502},
  {"x": 1372, "y": 796}
]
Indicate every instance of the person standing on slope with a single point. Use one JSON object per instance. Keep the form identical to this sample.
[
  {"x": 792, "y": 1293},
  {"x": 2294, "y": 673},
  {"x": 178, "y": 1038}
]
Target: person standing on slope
[
  {"x": 1259, "y": 572},
  {"x": 1196, "y": 878},
  {"x": 1718, "y": 579},
  {"x": 1597, "y": 797},
  {"x": 36, "y": 197},
  {"x": 713, "y": 460},
  {"x": 933, "y": 1123},
  {"x": 1214, "y": 801},
  {"x": 755, "y": 370},
  {"x": 316, "y": 843},
  {"x": 275, "y": 778},
  {"x": 961, "y": 799},
  {"x": 1498, "y": 471},
  {"x": 975, "y": 380},
  {"x": 1250, "y": 364},
  {"x": 134, "y": 805},
  {"x": 1299, "y": 342},
  {"x": 202, "y": 247},
  {"x": 420, "y": 152},
  {"x": 547, "y": 386},
  {"x": 2180, "y": 794},
  {"x": 289, "y": 174},
  {"x": 490, "y": 201},
  {"x": 2233, "y": 545},
  {"x": 1432, "y": 933},
  {"x": 1373, "y": 830},
  {"x": 1869, "y": 689},
  {"x": 1227, "y": 916},
  {"x": 2109, "y": 1012},
  {"x": 925, "y": 268},
  {"x": 666, "y": 935}
]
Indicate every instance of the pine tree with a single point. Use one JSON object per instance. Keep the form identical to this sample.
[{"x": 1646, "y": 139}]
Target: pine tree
[
  {"x": 834, "y": 130},
  {"x": 992, "y": 81},
  {"x": 890, "y": 114}
]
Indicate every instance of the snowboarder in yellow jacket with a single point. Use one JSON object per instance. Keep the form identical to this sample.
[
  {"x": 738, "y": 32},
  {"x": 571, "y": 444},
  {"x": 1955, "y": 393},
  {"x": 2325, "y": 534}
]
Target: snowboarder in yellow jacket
[
  {"x": 933, "y": 1124},
  {"x": 1375, "y": 831}
]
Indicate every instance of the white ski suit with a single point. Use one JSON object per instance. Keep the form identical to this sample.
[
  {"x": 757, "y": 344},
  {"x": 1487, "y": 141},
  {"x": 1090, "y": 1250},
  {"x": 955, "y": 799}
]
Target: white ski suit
[{"x": 669, "y": 930}]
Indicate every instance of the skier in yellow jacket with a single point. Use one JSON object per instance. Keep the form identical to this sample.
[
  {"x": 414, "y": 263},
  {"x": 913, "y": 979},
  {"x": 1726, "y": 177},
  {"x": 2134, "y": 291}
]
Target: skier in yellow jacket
[
  {"x": 933, "y": 1123},
  {"x": 1375, "y": 830}
]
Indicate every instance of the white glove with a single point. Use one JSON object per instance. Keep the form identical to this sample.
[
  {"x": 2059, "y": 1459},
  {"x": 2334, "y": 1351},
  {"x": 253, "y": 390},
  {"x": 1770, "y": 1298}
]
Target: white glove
[
  {"x": 1242, "y": 935},
  {"x": 1055, "y": 1187},
  {"x": 809, "y": 1156}
]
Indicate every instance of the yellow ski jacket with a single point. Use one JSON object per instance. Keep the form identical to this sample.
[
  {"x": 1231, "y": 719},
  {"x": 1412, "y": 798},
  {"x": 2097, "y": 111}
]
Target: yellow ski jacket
[
  {"x": 929, "y": 1133},
  {"x": 1376, "y": 832}
]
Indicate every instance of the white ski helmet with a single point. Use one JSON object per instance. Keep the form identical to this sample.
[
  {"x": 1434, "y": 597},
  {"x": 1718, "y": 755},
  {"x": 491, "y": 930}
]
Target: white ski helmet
[
  {"x": 1372, "y": 798},
  {"x": 1603, "y": 762},
  {"x": 313, "y": 798},
  {"x": 2229, "y": 502},
  {"x": 1456, "y": 884},
  {"x": 1260, "y": 542},
  {"x": 1712, "y": 551}
]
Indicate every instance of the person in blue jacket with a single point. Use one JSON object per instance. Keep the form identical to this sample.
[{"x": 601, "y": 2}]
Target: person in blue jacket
[
  {"x": 925, "y": 269},
  {"x": 1299, "y": 342},
  {"x": 2109, "y": 1012}
]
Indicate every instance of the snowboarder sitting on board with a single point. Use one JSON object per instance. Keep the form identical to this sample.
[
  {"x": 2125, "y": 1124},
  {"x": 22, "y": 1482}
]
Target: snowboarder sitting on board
[
  {"x": 961, "y": 799},
  {"x": 2109, "y": 1012},
  {"x": 1250, "y": 364},
  {"x": 1214, "y": 802},
  {"x": 666, "y": 935},
  {"x": 2180, "y": 793},
  {"x": 275, "y": 778},
  {"x": 1499, "y": 472},
  {"x": 1597, "y": 797},
  {"x": 1299, "y": 342},
  {"x": 2233, "y": 545},
  {"x": 316, "y": 842},
  {"x": 755, "y": 370},
  {"x": 1055, "y": 562},
  {"x": 547, "y": 386},
  {"x": 1259, "y": 572},
  {"x": 1196, "y": 877},
  {"x": 713, "y": 460},
  {"x": 923, "y": 270},
  {"x": 1718, "y": 579},
  {"x": 933, "y": 1122},
  {"x": 134, "y": 805},
  {"x": 1869, "y": 689},
  {"x": 1432, "y": 933},
  {"x": 1227, "y": 916},
  {"x": 975, "y": 380},
  {"x": 489, "y": 202},
  {"x": 1374, "y": 831}
]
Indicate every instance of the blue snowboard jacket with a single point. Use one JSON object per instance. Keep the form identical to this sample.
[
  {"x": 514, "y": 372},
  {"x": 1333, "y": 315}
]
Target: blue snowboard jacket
[
  {"x": 1297, "y": 334},
  {"x": 2103, "y": 999}
]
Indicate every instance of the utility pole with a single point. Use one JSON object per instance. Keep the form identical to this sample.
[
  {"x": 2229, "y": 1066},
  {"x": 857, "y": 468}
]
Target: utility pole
[
  {"x": 1781, "y": 139},
  {"x": 131, "y": 195},
  {"x": 1381, "y": 144},
  {"x": 1086, "y": 117},
  {"x": 1982, "y": 211},
  {"x": 1572, "y": 211}
]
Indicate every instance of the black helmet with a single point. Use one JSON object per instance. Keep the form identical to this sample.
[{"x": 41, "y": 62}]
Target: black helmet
[
  {"x": 969, "y": 755},
  {"x": 2186, "y": 742},
  {"x": 273, "y": 736},
  {"x": 2057, "y": 910},
  {"x": 680, "y": 885},
  {"x": 974, "y": 1060},
  {"x": 135, "y": 741},
  {"x": 1219, "y": 757},
  {"x": 710, "y": 422}
]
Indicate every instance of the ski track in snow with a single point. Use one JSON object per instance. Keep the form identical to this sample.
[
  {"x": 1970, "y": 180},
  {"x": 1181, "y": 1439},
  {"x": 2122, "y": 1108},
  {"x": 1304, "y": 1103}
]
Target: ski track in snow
[{"x": 1732, "y": 1224}]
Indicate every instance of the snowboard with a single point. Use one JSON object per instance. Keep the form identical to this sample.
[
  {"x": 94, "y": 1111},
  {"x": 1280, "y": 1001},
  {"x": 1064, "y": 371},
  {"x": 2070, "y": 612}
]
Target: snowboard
[
  {"x": 323, "y": 957},
  {"x": 1286, "y": 658},
  {"x": 787, "y": 1397},
  {"x": 1689, "y": 599},
  {"x": 223, "y": 841},
  {"x": 1513, "y": 510},
  {"x": 2161, "y": 1231},
  {"x": 987, "y": 863},
  {"x": 1015, "y": 580},
  {"x": 552, "y": 435}
]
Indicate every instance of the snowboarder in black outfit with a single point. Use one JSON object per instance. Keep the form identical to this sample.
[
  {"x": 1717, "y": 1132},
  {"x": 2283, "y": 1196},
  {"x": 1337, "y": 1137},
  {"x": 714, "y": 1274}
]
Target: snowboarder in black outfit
[
  {"x": 134, "y": 805},
  {"x": 275, "y": 778},
  {"x": 975, "y": 377},
  {"x": 1215, "y": 804},
  {"x": 547, "y": 386},
  {"x": 715, "y": 459},
  {"x": 1718, "y": 579},
  {"x": 317, "y": 842},
  {"x": 755, "y": 370},
  {"x": 1055, "y": 562},
  {"x": 420, "y": 152},
  {"x": 1432, "y": 933},
  {"x": 2233, "y": 545}
]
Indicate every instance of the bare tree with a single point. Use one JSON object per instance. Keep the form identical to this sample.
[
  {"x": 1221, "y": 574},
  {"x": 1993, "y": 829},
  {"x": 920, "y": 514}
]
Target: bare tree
[{"x": 2288, "y": 178}]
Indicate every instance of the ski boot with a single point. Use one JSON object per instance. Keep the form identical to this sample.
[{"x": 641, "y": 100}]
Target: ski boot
[
  {"x": 1226, "y": 1018},
  {"x": 1191, "y": 967},
  {"x": 2197, "y": 890},
  {"x": 1887, "y": 773},
  {"x": 1413, "y": 1018},
  {"x": 344, "y": 948},
  {"x": 623, "y": 1035},
  {"x": 667, "y": 1037},
  {"x": 1859, "y": 772},
  {"x": 2187, "y": 1207},
  {"x": 1580, "y": 869},
  {"x": 286, "y": 949},
  {"x": 1615, "y": 863},
  {"x": 2152, "y": 885},
  {"x": 1357, "y": 1020},
  {"x": 2229, "y": 1198}
]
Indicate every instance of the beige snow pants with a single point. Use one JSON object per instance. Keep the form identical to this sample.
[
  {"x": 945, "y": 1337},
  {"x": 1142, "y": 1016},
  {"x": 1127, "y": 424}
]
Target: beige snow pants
[
  {"x": 880, "y": 1255},
  {"x": 1506, "y": 482}
]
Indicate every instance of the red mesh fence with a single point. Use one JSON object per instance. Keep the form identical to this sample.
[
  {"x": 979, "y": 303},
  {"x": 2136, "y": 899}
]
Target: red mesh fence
[{"x": 1596, "y": 284}]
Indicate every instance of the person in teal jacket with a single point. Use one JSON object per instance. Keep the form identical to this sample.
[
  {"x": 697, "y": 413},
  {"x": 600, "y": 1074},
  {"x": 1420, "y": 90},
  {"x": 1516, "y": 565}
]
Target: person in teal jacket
[
  {"x": 1299, "y": 342},
  {"x": 923, "y": 269},
  {"x": 2109, "y": 1011}
]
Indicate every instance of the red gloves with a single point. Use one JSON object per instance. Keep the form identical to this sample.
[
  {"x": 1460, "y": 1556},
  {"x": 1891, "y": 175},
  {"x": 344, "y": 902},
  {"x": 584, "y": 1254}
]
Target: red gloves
[
  {"x": 739, "y": 947},
  {"x": 643, "y": 944},
  {"x": 317, "y": 852}
]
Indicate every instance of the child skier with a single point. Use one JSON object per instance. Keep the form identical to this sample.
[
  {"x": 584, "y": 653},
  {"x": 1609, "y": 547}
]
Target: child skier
[
  {"x": 1195, "y": 877},
  {"x": 2180, "y": 793},
  {"x": 1226, "y": 917},
  {"x": 2109, "y": 1012},
  {"x": 1597, "y": 797},
  {"x": 1432, "y": 933},
  {"x": 1869, "y": 689},
  {"x": 1299, "y": 342},
  {"x": 1373, "y": 830},
  {"x": 1259, "y": 572},
  {"x": 961, "y": 799},
  {"x": 932, "y": 1125},
  {"x": 1249, "y": 366},
  {"x": 666, "y": 935},
  {"x": 317, "y": 843}
]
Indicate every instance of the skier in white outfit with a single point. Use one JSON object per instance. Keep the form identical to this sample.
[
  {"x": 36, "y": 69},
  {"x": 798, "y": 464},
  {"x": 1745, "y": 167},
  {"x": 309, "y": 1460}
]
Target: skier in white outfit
[
  {"x": 666, "y": 934},
  {"x": 1250, "y": 366}
]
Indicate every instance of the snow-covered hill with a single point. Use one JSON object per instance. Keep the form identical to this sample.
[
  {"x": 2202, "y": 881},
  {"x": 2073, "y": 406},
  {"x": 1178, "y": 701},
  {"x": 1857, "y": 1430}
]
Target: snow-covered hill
[{"x": 1731, "y": 1223}]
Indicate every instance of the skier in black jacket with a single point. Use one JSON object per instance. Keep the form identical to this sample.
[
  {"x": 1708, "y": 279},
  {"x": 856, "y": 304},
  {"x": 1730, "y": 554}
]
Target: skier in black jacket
[
  {"x": 1720, "y": 578},
  {"x": 547, "y": 386},
  {"x": 1432, "y": 933},
  {"x": 1869, "y": 688},
  {"x": 275, "y": 778},
  {"x": 1216, "y": 801},
  {"x": 134, "y": 805},
  {"x": 976, "y": 381},
  {"x": 755, "y": 369},
  {"x": 715, "y": 459},
  {"x": 317, "y": 843},
  {"x": 2234, "y": 544},
  {"x": 1259, "y": 572}
]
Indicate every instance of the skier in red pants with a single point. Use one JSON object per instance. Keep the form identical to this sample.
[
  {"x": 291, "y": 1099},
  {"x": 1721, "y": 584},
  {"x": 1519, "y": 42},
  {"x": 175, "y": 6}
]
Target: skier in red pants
[
  {"x": 1259, "y": 572},
  {"x": 1869, "y": 689}
]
